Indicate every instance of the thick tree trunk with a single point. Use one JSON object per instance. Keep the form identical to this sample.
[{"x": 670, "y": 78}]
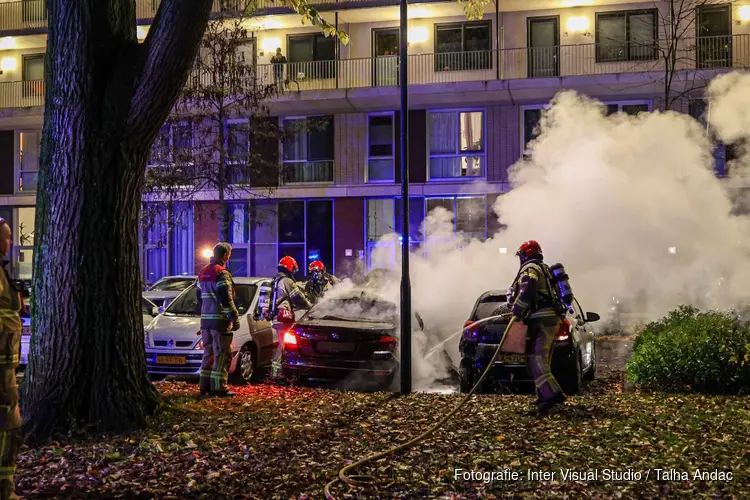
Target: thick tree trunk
[{"x": 106, "y": 98}]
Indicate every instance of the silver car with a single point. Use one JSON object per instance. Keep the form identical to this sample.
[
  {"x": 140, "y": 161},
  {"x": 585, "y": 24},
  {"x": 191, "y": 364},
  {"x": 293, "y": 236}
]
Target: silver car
[
  {"x": 167, "y": 289},
  {"x": 174, "y": 346}
]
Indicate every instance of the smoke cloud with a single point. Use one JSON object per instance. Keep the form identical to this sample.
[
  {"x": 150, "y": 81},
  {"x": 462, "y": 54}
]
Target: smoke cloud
[{"x": 629, "y": 204}]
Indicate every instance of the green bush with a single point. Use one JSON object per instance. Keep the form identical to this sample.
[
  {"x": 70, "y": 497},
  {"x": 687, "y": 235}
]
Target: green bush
[{"x": 688, "y": 350}]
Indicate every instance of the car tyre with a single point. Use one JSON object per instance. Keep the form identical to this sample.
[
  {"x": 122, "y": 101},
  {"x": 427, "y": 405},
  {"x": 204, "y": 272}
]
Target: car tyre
[
  {"x": 466, "y": 378},
  {"x": 247, "y": 370},
  {"x": 591, "y": 374},
  {"x": 572, "y": 381}
]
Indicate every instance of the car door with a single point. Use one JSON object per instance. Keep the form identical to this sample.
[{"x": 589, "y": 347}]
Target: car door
[
  {"x": 584, "y": 334},
  {"x": 261, "y": 331}
]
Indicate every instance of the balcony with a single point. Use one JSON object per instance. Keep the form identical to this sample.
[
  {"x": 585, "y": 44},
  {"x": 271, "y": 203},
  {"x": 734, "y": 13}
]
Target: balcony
[{"x": 703, "y": 54}]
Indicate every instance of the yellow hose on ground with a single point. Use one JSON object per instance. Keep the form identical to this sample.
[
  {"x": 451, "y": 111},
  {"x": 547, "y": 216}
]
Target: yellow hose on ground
[{"x": 359, "y": 481}]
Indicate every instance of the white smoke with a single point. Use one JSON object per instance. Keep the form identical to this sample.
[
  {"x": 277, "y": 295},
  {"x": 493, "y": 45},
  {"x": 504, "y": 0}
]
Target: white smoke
[{"x": 630, "y": 205}]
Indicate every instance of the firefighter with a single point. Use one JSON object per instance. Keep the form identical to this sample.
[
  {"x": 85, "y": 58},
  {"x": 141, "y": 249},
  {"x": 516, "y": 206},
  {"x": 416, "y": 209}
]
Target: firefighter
[
  {"x": 534, "y": 302},
  {"x": 219, "y": 320},
  {"x": 319, "y": 281},
  {"x": 288, "y": 296},
  {"x": 10, "y": 346}
]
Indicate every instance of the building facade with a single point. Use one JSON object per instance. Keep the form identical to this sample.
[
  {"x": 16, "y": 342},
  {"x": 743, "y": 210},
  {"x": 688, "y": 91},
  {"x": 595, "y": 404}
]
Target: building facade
[{"x": 476, "y": 89}]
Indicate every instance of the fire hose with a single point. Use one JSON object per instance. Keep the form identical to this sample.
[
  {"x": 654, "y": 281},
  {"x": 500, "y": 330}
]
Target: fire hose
[{"x": 360, "y": 481}]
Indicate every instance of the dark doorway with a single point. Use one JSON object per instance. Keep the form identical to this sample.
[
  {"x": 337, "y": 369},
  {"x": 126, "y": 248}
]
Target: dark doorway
[
  {"x": 385, "y": 48},
  {"x": 544, "y": 46},
  {"x": 714, "y": 48}
]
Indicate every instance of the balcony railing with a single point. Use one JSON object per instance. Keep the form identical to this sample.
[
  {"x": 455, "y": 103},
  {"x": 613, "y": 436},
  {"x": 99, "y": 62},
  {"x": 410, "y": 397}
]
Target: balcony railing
[
  {"x": 707, "y": 53},
  {"x": 298, "y": 172}
]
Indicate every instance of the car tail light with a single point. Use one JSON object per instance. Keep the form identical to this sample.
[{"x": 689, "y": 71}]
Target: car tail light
[
  {"x": 387, "y": 342},
  {"x": 563, "y": 333},
  {"x": 290, "y": 339},
  {"x": 471, "y": 332}
]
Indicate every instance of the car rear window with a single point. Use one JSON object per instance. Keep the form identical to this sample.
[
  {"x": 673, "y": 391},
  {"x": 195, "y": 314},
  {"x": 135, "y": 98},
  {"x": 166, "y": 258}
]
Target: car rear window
[
  {"x": 187, "y": 303},
  {"x": 488, "y": 305}
]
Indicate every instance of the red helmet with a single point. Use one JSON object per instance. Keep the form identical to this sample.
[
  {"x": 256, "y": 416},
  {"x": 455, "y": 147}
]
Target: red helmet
[
  {"x": 317, "y": 265},
  {"x": 289, "y": 264},
  {"x": 529, "y": 249}
]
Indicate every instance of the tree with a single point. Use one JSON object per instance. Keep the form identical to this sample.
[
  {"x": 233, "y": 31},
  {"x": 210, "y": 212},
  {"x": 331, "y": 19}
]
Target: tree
[{"x": 106, "y": 99}]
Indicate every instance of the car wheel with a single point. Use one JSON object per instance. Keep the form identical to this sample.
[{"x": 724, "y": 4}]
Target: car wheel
[
  {"x": 247, "y": 366},
  {"x": 466, "y": 378},
  {"x": 572, "y": 381},
  {"x": 591, "y": 374}
]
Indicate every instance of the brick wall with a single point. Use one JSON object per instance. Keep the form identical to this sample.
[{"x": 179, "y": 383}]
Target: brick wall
[
  {"x": 206, "y": 224},
  {"x": 350, "y": 148}
]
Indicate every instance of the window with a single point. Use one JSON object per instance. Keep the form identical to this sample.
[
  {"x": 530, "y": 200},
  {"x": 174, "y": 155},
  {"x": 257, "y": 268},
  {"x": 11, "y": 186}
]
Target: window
[
  {"x": 463, "y": 46},
  {"x": 456, "y": 144},
  {"x": 173, "y": 145},
  {"x": 380, "y": 148},
  {"x": 384, "y": 217},
  {"x": 32, "y": 74},
  {"x": 29, "y": 145},
  {"x": 311, "y": 56},
  {"x": 155, "y": 243},
  {"x": 469, "y": 213},
  {"x": 23, "y": 242},
  {"x": 308, "y": 150},
  {"x": 714, "y": 28},
  {"x": 238, "y": 151},
  {"x": 531, "y": 116},
  {"x": 631, "y": 108},
  {"x": 168, "y": 249},
  {"x": 723, "y": 153},
  {"x": 626, "y": 36},
  {"x": 182, "y": 240}
]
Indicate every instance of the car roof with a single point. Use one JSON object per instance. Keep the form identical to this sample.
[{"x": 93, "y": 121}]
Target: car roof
[
  {"x": 179, "y": 276},
  {"x": 249, "y": 281}
]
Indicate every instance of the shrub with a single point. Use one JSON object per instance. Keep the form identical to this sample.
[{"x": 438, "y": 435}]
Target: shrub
[{"x": 688, "y": 350}]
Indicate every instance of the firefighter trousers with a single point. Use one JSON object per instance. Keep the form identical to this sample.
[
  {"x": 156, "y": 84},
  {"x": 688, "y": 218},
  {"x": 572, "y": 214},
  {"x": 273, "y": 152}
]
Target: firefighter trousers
[
  {"x": 217, "y": 355},
  {"x": 276, "y": 367},
  {"x": 543, "y": 333},
  {"x": 10, "y": 415}
]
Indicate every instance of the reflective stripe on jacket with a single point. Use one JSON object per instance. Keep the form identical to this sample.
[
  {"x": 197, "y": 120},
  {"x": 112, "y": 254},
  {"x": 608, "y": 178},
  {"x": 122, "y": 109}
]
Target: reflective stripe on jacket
[
  {"x": 532, "y": 292},
  {"x": 216, "y": 298}
]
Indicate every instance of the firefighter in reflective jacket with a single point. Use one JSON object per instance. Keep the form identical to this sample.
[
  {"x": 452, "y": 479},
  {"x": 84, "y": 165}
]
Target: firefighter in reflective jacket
[
  {"x": 319, "y": 282},
  {"x": 287, "y": 297},
  {"x": 533, "y": 301}
]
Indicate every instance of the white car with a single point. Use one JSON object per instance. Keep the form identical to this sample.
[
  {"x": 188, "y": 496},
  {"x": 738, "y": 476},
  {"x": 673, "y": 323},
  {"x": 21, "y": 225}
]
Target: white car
[
  {"x": 167, "y": 288},
  {"x": 174, "y": 346}
]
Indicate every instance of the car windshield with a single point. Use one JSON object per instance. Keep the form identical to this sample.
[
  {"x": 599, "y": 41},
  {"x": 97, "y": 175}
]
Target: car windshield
[
  {"x": 147, "y": 307},
  {"x": 171, "y": 284},
  {"x": 354, "y": 309},
  {"x": 489, "y": 305},
  {"x": 186, "y": 304}
]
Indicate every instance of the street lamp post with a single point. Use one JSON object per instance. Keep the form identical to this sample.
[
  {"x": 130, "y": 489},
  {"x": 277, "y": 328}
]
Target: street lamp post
[{"x": 405, "y": 282}]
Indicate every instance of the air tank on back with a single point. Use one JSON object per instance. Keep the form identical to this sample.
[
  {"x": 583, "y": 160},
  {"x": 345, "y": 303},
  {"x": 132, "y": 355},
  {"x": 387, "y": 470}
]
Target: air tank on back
[{"x": 562, "y": 280}]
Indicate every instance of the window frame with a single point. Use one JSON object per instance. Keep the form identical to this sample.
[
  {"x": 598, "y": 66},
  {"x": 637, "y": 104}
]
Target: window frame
[
  {"x": 392, "y": 114},
  {"x": 32, "y": 88},
  {"x": 454, "y": 199},
  {"x": 320, "y": 71},
  {"x": 626, "y": 15},
  {"x": 480, "y": 67},
  {"x": 524, "y": 152},
  {"x": 457, "y": 154},
  {"x": 170, "y": 160},
  {"x": 284, "y": 162},
  {"x": 18, "y": 161},
  {"x": 232, "y": 161},
  {"x": 636, "y": 102},
  {"x": 169, "y": 265},
  {"x": 18, "y": 247},
  {"x": 370, "y": 246}
]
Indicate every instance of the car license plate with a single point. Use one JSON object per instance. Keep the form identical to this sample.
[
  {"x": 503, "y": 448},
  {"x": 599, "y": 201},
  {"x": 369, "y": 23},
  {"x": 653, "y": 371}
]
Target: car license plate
[
  {"x": 335, "y": 346},
  {"x": 26, "y": 330},
  {"x": 171, "y": 360},
  {"x": 512, "y": 359}
]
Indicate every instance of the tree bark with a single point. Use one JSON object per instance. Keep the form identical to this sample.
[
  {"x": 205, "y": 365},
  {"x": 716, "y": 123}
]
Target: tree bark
[{"x": 106, "y": 98}]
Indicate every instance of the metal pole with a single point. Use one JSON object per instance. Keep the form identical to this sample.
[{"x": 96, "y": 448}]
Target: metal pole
[
  {"x": 405, "y": 282},
  {"x": 497, "y": 37},
  {"x": 338, "y": 47}
]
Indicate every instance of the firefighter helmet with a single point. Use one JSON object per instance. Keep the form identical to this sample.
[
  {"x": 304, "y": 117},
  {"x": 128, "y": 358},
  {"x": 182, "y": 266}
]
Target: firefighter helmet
[
  {"x": 289, "y": 263},
  {"x": 529, "y": 249},
  {"x": 317, "y": 265}
]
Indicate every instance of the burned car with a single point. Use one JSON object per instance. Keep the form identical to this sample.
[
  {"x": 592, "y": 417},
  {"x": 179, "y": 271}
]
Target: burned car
[{"x": 573, "y": 358}]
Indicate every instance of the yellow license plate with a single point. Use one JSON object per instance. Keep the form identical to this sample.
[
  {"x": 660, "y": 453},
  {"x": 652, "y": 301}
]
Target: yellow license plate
[
  {"x": 512, "y": 359},
  {"x": 26, "y": 330},
  {"x": 171, "y": 360}
]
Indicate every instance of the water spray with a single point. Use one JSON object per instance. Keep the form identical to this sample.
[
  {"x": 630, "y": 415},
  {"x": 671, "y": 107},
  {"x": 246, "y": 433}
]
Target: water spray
[
  {"x": 360, "y": 481},
  {"x": 462, "y": 330}
]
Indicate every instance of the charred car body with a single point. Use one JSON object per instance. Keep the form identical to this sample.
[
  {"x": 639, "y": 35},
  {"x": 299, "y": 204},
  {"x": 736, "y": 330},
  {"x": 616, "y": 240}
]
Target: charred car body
[{"x": 573, "y": 358}]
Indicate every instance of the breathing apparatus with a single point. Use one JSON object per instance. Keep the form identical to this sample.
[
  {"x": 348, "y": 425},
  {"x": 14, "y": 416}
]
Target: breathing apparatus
[{"x": 560, "y": 282}]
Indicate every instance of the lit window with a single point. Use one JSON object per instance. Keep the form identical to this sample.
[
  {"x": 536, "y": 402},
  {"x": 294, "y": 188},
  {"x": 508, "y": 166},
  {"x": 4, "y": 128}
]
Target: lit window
[{"x": 456, "y": 144}]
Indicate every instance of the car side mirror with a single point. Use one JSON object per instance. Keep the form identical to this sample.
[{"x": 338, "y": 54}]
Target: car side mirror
[
  {"x": 160, "y": 309},
  {"x": 420, "y": 321},
  {"x": 592, "y": 317}
]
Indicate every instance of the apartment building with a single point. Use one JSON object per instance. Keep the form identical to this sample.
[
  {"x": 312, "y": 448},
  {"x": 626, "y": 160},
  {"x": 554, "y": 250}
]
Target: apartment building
[{"x": 476, "y": 89}]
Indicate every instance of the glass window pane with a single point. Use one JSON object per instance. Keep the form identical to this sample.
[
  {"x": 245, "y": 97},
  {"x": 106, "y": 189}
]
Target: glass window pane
[
  {"x": 29, "y": 145},
  {"x": 263, "y": 218},
  {"x": 33, "y": 68},
  {"x": 325, "y": 48},
  {"x": 381, "y": 136},
  {"x": 182, "y": 247},
  {"x": 238, "y": 230},
  {"x": 433, "y": 203},
  {"x": 25, "y": 258},
  {"x": 265, "y": 260},
  {"x": 320, "y": 142},
  {"x": 471, "y": 216},
  {"x": 28, "y": 181},
  {"x": 641, "y": 33},
  {"x": 445, "y": 167},
  {"x": 320, "y": 232},
  {"x": 291, "y": 221},
  {"x": 472, "y": 131},
  {"x": 160, "y": 149},
  {"x": 238, "y": 141},
  {"x": 634, "y": 109},
  {"x": 531, "y": 118},
  {"x": 380, "y": 218},
  {"x": 238, "y": 262},
  {"x": 183, "y": 138},
  {"x": 448, "y": 39},
  {"x": 443, "y": 132},
  {"x": 295, "y": 140},
  {"x": 476, "y": 37},
  {"x": 416, "y": 217},
  {"x": 156, "y": 264},
  {"x": 300, "y": 49},
  {"x": 612, "y": 109},
  {"x": 23, "y": 235},
  {"x": 297, "y": 252},
  {"x": 612, "y": 38},
  {"x": 471, "y": 166},
  {"x": 380, "y": 170}
]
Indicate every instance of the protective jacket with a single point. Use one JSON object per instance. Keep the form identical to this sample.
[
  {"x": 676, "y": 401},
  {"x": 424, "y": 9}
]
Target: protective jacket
[
  {"x": 315, "y": 289},
  {"x": 531, "y": 294},
  {"x": 287, "y": 294},
  {"x": 216, "y": 298}
]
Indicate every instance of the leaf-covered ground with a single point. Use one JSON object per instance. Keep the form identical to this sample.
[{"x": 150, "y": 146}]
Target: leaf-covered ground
[{"x": 272, "y": 442}]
